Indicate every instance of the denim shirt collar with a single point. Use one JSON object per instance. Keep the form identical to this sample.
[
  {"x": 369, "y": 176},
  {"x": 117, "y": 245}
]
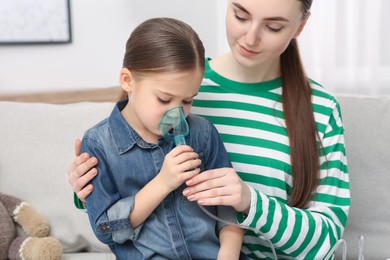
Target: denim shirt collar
[{"x": 125, "y": 137}]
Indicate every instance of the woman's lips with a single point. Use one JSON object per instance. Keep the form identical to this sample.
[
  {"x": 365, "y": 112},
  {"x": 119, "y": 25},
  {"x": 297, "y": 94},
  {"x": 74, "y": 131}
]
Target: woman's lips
[{"x": 246, "y": 52}]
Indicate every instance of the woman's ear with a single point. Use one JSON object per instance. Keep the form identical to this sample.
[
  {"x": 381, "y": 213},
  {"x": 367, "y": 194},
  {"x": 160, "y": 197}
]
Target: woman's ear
[
  {"x": 302, "y": 25},
  {"x": 126, "y": 79}
]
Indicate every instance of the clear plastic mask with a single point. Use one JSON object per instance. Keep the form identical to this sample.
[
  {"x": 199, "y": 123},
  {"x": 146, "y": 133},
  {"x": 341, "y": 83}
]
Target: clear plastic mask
[{"x": 173, "y": 126}]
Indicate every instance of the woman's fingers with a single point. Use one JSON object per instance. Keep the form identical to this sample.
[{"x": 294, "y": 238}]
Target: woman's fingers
[
  {"x": 219, "y": 187},
  {"x": 207, "y": 180},
  {"x": 81, "y": 171},
  {"x": 77, "y": 147}
]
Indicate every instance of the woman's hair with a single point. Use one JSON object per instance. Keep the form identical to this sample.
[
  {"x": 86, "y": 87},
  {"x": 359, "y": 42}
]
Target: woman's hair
[
  {"x": 163, "y": 45},
  {"x": 300, "y": 122}
]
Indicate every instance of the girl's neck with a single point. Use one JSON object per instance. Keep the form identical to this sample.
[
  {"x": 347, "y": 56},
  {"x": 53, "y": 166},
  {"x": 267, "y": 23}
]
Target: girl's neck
[{"x": 227, "y": 66}]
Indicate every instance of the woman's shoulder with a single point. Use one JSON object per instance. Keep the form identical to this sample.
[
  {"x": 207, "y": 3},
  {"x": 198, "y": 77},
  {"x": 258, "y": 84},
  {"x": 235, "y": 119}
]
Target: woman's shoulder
[{"x": 321, "y": 95}]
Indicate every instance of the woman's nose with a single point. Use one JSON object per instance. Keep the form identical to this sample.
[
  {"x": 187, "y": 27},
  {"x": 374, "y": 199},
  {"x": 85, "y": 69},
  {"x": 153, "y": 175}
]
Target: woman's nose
[{"x": 252, "y": 36}]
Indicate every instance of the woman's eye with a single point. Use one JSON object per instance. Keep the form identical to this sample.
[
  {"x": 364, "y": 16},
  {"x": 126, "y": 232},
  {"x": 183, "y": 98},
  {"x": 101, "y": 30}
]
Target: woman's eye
[
  {"x": 274, "y": 29},
  {"x": 238, "y": 17}
]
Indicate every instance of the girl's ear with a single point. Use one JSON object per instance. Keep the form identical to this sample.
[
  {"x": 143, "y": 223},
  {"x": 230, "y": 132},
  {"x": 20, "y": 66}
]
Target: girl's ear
[
  {"x": 126, "y": 79},
  {"x": 302, "y": 25}
]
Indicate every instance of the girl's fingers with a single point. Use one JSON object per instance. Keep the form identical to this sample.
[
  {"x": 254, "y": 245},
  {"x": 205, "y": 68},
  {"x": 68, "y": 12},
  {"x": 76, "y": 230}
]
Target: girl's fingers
[{"x": 178, "y": 150}]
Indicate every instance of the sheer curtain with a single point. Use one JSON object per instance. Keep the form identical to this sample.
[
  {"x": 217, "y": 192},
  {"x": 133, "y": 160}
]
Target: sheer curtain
[{"x": 345, "y": 46}]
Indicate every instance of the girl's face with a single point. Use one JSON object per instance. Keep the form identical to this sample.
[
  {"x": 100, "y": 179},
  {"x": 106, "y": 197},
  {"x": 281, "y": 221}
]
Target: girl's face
[
  {"x": 153, "y": 94},
  {"x": 258, "y": 31}
]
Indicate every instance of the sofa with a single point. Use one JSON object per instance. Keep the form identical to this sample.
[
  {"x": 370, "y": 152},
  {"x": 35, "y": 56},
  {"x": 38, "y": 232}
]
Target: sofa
[{"x": 36, "y": 146}]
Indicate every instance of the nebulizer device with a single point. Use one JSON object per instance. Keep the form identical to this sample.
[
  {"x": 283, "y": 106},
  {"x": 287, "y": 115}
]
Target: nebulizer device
[{"x": 174, "y": 127}]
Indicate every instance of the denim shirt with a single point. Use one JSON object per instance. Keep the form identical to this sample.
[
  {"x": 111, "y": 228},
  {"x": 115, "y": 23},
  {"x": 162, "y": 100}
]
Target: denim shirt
[{"x": 177, "y": 228}]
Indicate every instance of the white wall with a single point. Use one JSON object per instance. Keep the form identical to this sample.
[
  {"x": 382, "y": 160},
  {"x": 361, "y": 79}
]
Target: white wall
[
  {"x": 100, "y": 29},
  {"x": 331, "y": 44}
]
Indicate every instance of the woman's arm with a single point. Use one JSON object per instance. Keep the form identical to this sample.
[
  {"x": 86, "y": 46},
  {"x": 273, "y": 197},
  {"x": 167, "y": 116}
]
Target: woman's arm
[{"x": 301, "y": 233}]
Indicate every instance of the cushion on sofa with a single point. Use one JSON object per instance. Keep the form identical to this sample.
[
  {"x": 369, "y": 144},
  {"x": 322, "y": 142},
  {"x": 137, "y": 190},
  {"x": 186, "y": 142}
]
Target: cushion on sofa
[
  {"x": 367, "y": 137},
  {"x": 36, "y": 145}
]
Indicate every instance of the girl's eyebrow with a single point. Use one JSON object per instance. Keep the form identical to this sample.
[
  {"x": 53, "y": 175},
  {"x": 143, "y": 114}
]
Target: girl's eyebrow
[
  {"x": 276, "y": 18},
  {"x": 171, "y": 95}
]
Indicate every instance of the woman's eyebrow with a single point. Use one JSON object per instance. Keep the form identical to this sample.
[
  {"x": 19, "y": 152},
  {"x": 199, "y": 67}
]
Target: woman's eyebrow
[
  {"x": 276, "y": 18},
  {"x": 237, "y": 5}
]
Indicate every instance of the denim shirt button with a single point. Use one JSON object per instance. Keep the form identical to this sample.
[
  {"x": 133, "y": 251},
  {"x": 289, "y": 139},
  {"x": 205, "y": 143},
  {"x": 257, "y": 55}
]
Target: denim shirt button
[{"x": 104, "y": 227}]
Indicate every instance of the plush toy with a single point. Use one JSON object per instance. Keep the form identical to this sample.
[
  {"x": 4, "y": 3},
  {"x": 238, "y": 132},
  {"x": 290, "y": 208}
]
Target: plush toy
[{"x": 35, "y": 244}]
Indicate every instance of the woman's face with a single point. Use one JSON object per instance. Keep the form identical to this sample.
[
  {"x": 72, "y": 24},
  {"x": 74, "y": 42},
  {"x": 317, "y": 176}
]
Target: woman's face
[{"x": 258, "y": 31}]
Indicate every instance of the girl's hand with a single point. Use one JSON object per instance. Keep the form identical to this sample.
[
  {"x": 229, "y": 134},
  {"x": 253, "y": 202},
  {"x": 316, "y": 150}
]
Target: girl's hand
[
  {"x": 179, "y": 165},
  {"x": 81, "y": 171},
  {"x": 219, "y": 187}
]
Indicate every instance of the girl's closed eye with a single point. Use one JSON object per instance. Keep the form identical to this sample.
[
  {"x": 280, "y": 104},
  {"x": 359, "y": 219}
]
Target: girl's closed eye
[
  {"x": 187, "y": 102},
  {"x": 163, "y": 101}
]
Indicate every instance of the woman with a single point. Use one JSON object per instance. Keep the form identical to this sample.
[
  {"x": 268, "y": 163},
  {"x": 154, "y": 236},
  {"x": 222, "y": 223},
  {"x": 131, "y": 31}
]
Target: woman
[{"x": 283, "y": 133}]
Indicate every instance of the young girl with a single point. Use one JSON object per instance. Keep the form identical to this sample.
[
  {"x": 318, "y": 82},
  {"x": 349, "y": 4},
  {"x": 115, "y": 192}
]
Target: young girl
[
  {"x": 283, "y": 132},
  {"x": 138, "y": 208}
]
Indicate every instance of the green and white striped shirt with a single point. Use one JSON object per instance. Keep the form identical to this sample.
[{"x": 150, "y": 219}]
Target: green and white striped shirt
[{"x": 249, "y": 118}]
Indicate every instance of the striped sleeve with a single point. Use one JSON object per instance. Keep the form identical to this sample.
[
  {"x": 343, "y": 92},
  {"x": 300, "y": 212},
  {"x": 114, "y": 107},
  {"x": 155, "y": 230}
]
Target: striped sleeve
[{"x": 307, "y": 233}]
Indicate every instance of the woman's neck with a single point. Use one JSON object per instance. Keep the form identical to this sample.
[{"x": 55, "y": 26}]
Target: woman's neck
[{"x": 227, "y": 66}]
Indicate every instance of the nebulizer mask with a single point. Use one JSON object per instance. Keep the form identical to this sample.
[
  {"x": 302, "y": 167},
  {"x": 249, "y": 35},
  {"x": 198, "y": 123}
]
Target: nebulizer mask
[{"x": 174, "y": 127}]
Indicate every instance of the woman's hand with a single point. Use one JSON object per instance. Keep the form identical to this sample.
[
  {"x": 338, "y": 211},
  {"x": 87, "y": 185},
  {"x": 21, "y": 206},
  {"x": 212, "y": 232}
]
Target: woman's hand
[
  {"x": 179, "y": 165},
  {"x": 81, "y": 171},
  {"x": 219, "y": 187}
]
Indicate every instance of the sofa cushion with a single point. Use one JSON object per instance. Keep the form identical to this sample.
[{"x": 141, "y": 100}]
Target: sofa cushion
[{"x": 36, "y": 145}]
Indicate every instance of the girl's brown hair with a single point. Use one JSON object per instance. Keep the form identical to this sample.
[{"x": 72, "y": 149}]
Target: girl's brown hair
[
  {"x": 160, "y": 45},
  {"x": 300, "y": 122}
]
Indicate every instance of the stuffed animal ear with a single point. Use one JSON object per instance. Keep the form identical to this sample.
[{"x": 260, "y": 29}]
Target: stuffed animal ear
[{"x": 10, "y": 203}]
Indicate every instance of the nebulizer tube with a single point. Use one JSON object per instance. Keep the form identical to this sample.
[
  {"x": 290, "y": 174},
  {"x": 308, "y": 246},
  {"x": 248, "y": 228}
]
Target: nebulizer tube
[{"x": 173, "y": 127}]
